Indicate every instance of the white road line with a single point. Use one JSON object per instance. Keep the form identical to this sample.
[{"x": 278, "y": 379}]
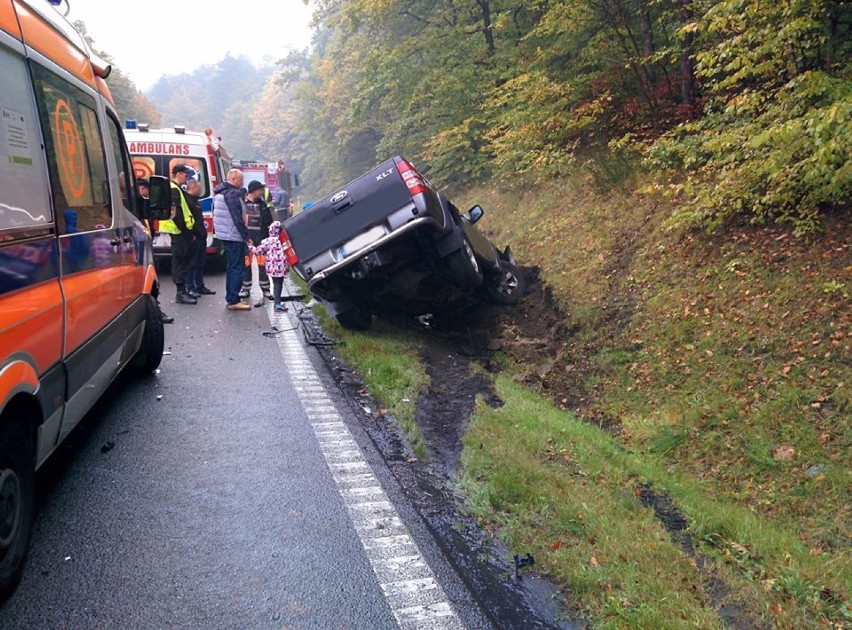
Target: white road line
[{"x": 409, "y": 585}]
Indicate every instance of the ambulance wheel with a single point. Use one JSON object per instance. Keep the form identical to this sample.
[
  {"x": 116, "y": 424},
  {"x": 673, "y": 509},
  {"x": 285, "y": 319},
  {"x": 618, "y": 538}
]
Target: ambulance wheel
[
  {"x": 17, "y": 500},
  {"x": 150, "y": 353}
]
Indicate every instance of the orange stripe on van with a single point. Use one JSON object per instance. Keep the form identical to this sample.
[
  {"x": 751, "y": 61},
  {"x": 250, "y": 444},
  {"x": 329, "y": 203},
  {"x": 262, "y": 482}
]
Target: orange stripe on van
[
  {"x": 150, "y": 279},
  {"x": 93, "y": 299},
  {"x": 31, "y": 323},
  {"x": 8, "y": 21},
  {"x": 42, "y": 36}
]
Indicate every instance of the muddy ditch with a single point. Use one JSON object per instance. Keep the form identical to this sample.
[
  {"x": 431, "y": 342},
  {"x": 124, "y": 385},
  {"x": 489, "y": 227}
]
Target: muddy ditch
[
  {"x": 719, "y": 596},
  {"x": 537, "y": 339},
  {"x": 443, "y": 412}
]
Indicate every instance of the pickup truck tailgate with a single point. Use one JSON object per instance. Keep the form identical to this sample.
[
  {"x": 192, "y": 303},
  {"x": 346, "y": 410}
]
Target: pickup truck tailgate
[{"x": 349, "y": 211}]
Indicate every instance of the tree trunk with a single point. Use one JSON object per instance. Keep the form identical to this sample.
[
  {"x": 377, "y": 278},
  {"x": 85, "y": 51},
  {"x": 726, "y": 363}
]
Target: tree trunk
[
  {"x": 687, "y": 66},
  {"x": 487, "y": 27},
  {"x": 646, "y": 33}
]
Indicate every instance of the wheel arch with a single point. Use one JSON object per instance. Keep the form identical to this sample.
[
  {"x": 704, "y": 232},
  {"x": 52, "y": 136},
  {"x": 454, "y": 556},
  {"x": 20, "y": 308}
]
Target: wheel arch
[{"x": 24, "y": 408}]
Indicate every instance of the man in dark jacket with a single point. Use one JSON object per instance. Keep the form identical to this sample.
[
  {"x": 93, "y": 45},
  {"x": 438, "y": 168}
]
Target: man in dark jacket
[
  {"x": 230, "y": 228},
  {"x": 195, "y": 277},
  {"x": 180, "y": 227},
  {"x": 258, "y": 220}
]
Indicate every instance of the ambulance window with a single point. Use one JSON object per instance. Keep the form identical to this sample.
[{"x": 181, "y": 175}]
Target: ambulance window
[
  {"x": 24, "y": 200},
  {"x": 122, "y": 162},
  {"x": 200, "y": 167},
  {"x": 144, "y": 166},
  {"x": 75, "y": 154}
]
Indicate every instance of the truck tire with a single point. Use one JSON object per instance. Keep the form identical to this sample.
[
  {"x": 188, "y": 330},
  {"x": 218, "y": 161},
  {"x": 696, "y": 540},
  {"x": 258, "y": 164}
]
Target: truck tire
[
  {"x": 507, "y": 286},
  {"x": 464, "y": 267},
  {"x": 150, "y": 353},
  {"x": 17, "y": 500},
  {"x": 359, "y": 318}
]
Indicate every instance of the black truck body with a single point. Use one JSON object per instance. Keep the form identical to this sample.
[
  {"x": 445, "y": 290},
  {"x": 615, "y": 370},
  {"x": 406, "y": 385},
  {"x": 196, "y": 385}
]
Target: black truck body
[{"x": 388, "y": 237}]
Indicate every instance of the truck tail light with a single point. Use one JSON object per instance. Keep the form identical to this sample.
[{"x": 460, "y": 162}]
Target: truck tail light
[
  {"x": 289, "y": 252},
  {"x": 412, "y": 178}
]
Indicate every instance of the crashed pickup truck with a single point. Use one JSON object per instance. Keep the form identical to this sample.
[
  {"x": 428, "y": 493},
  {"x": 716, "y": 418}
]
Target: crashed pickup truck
[{"x": 389, "y": 239}]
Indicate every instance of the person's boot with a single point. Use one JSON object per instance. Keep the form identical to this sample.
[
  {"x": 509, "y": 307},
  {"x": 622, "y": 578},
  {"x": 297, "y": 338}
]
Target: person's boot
[{"x": 183, "y": 297}]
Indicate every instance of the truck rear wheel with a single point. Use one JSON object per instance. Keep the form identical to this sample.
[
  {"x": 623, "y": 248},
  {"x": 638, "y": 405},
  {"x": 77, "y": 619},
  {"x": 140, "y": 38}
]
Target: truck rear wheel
[
  {"x": 17, "y": 500},
  {"x": 464, "y": 267},
  {"x": 507, "y": 287},
  {"x": 150, "y": 353},
  {"x": 359, "y": 318}
]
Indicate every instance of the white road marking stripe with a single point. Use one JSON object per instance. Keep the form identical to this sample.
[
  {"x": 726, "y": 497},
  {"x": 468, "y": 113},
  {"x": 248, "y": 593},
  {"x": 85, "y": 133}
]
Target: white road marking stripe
[{"x": 411, "y": 590}]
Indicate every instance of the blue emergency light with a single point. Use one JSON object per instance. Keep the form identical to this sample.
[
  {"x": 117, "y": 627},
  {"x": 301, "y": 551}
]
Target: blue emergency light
[{"x": 130, "y": 124}]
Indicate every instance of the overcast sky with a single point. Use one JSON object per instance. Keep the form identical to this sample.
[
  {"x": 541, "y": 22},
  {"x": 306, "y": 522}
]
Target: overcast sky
[{"x": 155, "y": 37}]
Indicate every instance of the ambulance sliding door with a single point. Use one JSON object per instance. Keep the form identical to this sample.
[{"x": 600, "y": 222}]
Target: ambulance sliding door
[{"x": 90, "y": 242}]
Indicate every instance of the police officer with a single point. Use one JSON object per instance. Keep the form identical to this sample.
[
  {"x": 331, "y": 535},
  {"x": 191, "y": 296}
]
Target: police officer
[{"x": 180, "y": 227}]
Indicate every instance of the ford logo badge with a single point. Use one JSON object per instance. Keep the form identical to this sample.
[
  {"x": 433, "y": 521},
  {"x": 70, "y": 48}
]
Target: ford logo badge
[{"x": 339, "y": 196}]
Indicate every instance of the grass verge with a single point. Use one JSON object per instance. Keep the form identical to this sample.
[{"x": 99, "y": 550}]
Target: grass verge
[
  {"x": 390, "y": 367},
  {"x": 566, "y": 491}
]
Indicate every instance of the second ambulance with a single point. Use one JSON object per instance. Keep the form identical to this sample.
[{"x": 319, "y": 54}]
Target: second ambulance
[{"x": 157, "y": 151}]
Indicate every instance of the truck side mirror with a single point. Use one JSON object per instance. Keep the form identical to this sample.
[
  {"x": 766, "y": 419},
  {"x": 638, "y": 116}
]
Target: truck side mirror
[
  {"x": 475, "y": 213},
  {"x": 159, "y": 198},
  {"x": 296, "y": 181}
]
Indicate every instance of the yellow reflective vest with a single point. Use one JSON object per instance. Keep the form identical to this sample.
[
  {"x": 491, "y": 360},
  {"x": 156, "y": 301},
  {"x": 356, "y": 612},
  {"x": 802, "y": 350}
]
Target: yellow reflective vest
[{"x": 169, "y": 226}]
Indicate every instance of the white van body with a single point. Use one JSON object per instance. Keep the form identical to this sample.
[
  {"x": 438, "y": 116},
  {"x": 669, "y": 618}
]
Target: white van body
[{"x": 155, "y": 152}]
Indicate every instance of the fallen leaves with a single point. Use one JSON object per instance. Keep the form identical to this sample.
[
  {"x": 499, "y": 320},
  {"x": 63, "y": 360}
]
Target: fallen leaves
[{"x": 783, "y": 453}]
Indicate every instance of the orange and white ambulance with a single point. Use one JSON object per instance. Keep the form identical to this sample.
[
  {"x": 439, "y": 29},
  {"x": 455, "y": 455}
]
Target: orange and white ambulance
[
  {"x": 77, "y": 283},
  {"x": 156, "y": 151}
]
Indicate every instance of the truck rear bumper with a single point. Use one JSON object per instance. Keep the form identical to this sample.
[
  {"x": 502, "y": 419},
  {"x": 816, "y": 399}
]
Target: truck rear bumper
[{"x": 409, "y": 227}]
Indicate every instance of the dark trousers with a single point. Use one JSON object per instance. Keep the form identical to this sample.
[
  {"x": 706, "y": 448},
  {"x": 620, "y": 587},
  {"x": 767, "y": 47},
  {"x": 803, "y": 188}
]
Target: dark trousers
[
  {"x": 277, "y": 285},
  {"x": 235, "y": 253},
  {"x": 248, "y": 277},
  {"x": 182, "y": 252},
  {"x": 195, "y": 276}
]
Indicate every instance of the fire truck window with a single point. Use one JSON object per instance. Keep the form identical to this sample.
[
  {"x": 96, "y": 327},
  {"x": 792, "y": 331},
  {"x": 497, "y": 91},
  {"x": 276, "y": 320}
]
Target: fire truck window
[
  {"x": 24, "y": 201},
  {"x": 122, "y": 162},
  {"x": 200, "y": 167},
  {"x": 75, "y": 154}
]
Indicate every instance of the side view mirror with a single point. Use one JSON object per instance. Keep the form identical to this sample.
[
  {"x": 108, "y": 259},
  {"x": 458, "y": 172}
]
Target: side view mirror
[
  {"x": 159, "y": 198},
  {"x": 475, "y": 213},
  {"x": 296, "y": 181}
]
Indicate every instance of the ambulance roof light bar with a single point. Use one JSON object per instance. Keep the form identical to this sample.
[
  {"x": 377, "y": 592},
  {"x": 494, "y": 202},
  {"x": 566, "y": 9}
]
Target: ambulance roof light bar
[
  {"x": 58, "y": 3},
  {"x": 180, "y": 129}
]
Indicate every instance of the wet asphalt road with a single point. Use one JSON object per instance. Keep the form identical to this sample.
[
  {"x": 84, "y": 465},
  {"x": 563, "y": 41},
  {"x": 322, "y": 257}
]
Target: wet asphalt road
[{"x": 211, "y": 507}]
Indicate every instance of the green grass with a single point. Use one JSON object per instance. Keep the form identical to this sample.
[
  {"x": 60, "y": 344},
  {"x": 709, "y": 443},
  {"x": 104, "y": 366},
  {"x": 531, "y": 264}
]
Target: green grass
[
  {"x": 390, "y": 367},
  {"x": 564, "y": 490}
]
